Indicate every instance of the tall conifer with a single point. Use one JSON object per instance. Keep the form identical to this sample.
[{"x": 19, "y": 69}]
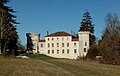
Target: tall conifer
[
  {"x": 8, "y": 33},
  {"x": 86, "y": 25}
]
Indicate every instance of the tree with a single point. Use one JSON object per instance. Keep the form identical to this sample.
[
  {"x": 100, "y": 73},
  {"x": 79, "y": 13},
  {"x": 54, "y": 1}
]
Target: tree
[
  {"x": 20, "y": 46},
  {"x": 8, "y": 33},
  {"x": 86, "y": 25},
  {"x": 92, "y": 53},
  {"x": 12, "y": 40},
  {"x": 109, "y": 46},
  {"x": 29, "y": 43}
]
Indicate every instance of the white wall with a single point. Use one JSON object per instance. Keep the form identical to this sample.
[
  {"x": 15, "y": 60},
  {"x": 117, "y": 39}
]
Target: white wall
[
  {"x": 84, "y": 43},
  {"x": 80, "y": 45},
  {"x": 42, "y": 47},
  {"x": 61, "y": 40}
]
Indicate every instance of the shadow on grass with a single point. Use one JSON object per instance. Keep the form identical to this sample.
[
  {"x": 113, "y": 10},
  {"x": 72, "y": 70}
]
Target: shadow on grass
[{"x": 40, "y": 57}]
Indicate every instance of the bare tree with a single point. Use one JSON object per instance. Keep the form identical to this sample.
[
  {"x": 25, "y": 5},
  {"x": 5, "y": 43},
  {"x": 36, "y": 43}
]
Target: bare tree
[{"x": 109, "y": 46}]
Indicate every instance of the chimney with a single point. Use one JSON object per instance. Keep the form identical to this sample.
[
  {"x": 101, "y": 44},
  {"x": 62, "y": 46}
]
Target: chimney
[
  {"x": 71, "y": 32},
  {"x": 47, "y": 33}
]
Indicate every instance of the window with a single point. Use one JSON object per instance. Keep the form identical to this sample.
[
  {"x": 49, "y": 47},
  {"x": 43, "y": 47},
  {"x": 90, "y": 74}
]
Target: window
[
  {"x": 75, "y": 50},
  {"x": 52, "y": 51},
  {"x": 67, "y": 44},
  {"x": 37, "y": 47},
  {"x": 62, "y": 44},
  {"x": 48, "y": 45},
  {"x": 85, "y": 43},
  {"x": 85, "y": 50},
  {"x": 67, "y": 51},
  {"x": 41, "y": 45},
  {"x": 57, "y": 44},
  {"x": 57, "y": 38},
  {"x": 75, "y": 44},
  {"x": 52, "y": 39},
  {"x": 48, "y": 51},
  {"x": 62, "y": 51},
  {"x": 57, "y": 51},
  {"x": 48, "y": 39},
  {"x": 52, "y": 44}
]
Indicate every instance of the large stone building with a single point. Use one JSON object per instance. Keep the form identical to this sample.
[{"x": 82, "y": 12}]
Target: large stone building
[{"x": 62, "y": 45}]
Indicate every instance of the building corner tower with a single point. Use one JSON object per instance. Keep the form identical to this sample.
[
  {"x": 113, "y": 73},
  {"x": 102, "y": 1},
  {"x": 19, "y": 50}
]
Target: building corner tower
[{"x": 83, "y": 43}]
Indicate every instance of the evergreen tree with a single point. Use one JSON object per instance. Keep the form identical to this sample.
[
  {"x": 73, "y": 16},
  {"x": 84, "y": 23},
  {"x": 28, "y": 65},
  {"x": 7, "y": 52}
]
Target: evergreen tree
[
  {"x": 8, "y": 33},
  {"x": 86, "y": 25}
]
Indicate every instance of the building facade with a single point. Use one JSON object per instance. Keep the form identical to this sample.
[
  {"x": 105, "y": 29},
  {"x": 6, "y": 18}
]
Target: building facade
[
  {"x": 63, "y": 45},
  {"x": 32, "y": 42}
]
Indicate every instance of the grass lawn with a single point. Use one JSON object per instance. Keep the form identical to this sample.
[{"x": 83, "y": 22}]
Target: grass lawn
[{"x": 39, "y": 65}]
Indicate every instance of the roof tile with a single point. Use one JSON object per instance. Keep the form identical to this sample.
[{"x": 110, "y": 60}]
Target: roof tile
[
  {"x": 75, "y": 39},
  {"x": 41, "y": 40},
  {"x": 59, "y": 34}
]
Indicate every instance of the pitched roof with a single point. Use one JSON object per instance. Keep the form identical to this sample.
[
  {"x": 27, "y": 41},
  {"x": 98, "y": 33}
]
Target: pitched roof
[
  {"x": 41, "y": 40},
  {"x": 59, "y": 34},
  {"x": 75, "y": 39}
]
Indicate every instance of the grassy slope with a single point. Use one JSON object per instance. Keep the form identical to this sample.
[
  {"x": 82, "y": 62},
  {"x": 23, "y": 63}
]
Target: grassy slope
[
  {"x": 29, "y": 67},
  {"x": 83, "y": 68},
  {"x": 46, "y": 66}
]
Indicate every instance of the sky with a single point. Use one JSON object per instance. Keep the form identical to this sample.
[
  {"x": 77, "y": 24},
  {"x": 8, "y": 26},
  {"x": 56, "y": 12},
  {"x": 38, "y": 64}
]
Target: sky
[{"x": 40, "y": 16}]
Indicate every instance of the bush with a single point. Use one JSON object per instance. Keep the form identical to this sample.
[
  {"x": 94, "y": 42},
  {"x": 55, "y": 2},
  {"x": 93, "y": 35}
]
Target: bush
[{"x": 92, "y": 52}]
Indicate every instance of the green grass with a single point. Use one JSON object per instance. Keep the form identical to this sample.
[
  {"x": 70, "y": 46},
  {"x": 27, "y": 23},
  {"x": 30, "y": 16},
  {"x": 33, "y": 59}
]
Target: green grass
[
  {"x": 29, "y": 67},
  {"x": 40, "y": 65},
  {"x": 83, "y": 68}
]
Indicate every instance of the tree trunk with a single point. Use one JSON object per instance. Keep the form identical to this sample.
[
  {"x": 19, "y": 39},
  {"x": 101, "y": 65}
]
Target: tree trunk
[
  {"x": 0, "y": 47},
  {"x": 4, "y": 49},
  {"x": 1, "y": 33}
]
